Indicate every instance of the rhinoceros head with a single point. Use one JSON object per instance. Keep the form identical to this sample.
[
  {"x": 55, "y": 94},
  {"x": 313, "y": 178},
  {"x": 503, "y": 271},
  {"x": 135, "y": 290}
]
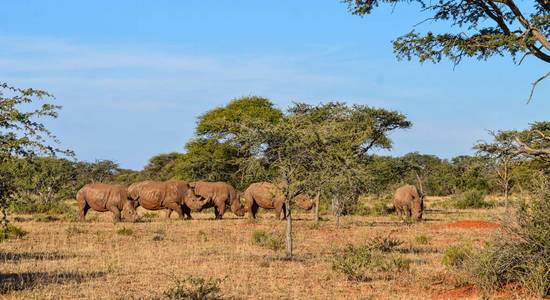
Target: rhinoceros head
[
  {"x": 194, "y": 202},
  {"x": 129, "y": 211},
  {"x": 417, "y": 207}
]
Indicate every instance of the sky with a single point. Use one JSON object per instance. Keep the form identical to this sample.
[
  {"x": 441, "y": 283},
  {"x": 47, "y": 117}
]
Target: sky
[{"x": 132, "y": 76}]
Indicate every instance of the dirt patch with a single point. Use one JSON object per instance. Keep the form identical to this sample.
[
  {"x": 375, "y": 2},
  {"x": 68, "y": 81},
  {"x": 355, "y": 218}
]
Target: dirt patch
[
  {"x": 469, "y": 224},
  {"x": 464, "y": 292}
]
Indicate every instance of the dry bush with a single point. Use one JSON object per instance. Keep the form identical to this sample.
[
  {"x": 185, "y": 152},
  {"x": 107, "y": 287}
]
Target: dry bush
[
  {"x": 273, "y": 240},
  {"x": 520, "y": 253},
  {"x": 194, "y": 288}
]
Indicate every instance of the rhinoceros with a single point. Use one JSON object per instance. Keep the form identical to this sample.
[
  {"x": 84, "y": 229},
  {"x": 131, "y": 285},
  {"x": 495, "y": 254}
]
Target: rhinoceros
[
  {"x": 409, "y": 201},
  {"x": 105, "y": 197},
  {"x": 172, "y": 195},
  {"x": 268, "y": 195},
  {"x": 218, "y": 195}
]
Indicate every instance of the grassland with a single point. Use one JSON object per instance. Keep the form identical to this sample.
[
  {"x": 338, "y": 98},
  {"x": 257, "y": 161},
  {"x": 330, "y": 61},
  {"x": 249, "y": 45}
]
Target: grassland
[{"x": 101, "y": 260}]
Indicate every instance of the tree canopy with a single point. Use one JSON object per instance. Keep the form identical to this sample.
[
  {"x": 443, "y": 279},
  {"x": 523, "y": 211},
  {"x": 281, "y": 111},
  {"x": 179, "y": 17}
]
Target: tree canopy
[
  {"x": 478, "y": 28},
  {"x": 22, "y": 133}
]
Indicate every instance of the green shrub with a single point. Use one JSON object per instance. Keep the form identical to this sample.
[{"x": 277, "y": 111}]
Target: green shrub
[
  {"x": 422, "y": 239},
  {"x": 11, "y": 232},
  {"x": 380, "y": 208},
  {"x": 125, "y": 231},
  {"x": 45, "y": 218},
  {"x": 34, "y": 205},
  {"x": 194, "y": 288},
  {"x": 456, "y": 255},
  {"x": 274, "y": 240},
  {"x": 377, "y": 207},
  {"x": 519, "y": 253},
  {"x": 359, "y": 263},
  {"x": 470, "y": 199}
]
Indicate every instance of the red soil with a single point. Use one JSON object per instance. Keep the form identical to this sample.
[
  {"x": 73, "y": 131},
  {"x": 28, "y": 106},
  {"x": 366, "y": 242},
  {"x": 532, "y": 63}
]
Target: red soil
[
  {"x": 469, "y": 224},
  {"x": 459, "y": 293}
]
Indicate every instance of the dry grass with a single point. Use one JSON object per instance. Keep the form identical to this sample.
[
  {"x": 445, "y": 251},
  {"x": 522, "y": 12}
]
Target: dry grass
[{"x": 69, "y": 260}]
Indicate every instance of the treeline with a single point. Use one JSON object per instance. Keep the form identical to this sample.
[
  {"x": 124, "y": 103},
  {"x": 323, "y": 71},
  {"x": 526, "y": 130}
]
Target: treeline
[{"x": 234, "y": 144}]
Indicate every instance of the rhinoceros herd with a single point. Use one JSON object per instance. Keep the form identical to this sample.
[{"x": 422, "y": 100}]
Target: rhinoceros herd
[{"x": 183, "y": 197}]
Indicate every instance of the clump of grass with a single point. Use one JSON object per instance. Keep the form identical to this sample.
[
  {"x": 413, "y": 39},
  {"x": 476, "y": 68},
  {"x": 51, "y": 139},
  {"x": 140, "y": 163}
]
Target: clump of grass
[
  {"x": 159, "y": 230},
  {"x": 203, "y": 236},
  {"x": 11, "y": 232},
  {"x": 469, "y": 199},
  {"x": 125, "y": 231},
  {"x": 456, "y": 255},
  {"x": 45, "y": 218},
  {"x": 72, "y": 230},
  {"x": 71, "y": 217},
  {"x": 360, "y": 263},
  {"x": 273, "y": 240},
  {"x": 422, "y": 239},
  {"x": 149, "y": 215},
  {"x": 384, "y": 244},
  {"x": 194, "y": 288}
]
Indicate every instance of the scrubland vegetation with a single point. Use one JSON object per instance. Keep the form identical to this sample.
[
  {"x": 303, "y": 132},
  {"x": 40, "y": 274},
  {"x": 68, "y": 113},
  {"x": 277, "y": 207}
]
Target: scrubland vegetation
[{"x": 484, "y": 230}]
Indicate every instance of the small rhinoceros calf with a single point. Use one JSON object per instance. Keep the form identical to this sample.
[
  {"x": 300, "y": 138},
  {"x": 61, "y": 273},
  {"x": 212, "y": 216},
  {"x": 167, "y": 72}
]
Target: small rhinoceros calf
[{"x": 409, "y": 201}]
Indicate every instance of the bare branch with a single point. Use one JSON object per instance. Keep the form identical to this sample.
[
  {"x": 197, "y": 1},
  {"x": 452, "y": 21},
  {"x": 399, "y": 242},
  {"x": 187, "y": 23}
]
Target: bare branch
[
  {"x": 524, "y": 149},
  {"x": 523, "y": 57},
  {"x": 535, "y": 84}
]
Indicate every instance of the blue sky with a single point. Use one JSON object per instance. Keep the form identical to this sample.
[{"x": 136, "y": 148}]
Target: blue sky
[{"x": 133, "y": 75}]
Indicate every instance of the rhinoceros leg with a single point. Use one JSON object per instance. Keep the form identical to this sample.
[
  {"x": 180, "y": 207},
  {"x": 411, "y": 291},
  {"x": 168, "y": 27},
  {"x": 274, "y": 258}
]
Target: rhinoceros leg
[
  {"x": 116, "y": 213},
  {"x": 176, "y": 207},
  {"x": 186, "y": 211},
  {"x": 219, "y": 210},
  {"x": 168, "y": 213},
  {"x": 278, "y": 208},
  {"x": 83, "y": 208}
]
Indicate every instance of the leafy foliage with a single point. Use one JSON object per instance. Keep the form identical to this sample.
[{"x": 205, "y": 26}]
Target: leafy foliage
[
  {"x": 469, "y": 199},
  {"x": 11, "y": 231},
  {"x": 479, "y": 29},
  {"x": 22, "y": 134},
  {"x": 360, "y": 263}
]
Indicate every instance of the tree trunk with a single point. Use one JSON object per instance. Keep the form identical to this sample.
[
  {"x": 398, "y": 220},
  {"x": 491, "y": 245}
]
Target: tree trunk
[
  {"x": 288, "y": 229},
  {"x": 506, "y": 196},
  {"x": 506, "y": 183},
  {"x": 317, "y": 209}
]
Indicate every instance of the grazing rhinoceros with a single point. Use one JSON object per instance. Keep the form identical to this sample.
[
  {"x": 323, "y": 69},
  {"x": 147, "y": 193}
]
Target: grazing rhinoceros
[
  {"x": 105, "y": 197},
  {"x": 218, "y": 195},
  {"x": 269, "y": 195},
  {"x": 409, "y": 201},
  {"x": 172, "y": 195}
]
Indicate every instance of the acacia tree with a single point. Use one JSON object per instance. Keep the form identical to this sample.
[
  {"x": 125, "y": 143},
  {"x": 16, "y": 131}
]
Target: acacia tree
[
  {"x": 316, "y": 148},
  {"x": 480, "y": 28},
  {"x": 22, "y": 134},
  {"x": 502, "y": 154},
  {"x": 215, "y": 155}
]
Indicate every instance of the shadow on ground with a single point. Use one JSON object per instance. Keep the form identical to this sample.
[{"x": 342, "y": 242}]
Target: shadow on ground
[
  {"x": 22, "y": 281},
  {"x": 15, "y": 257}
]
